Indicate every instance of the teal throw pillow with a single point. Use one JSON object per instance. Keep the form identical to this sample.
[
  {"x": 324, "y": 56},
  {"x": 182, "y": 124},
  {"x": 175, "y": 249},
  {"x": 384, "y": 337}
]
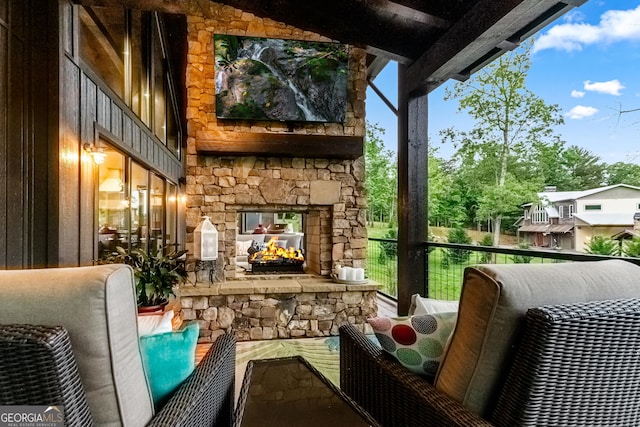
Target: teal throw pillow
[{"x": 169, "y": 358}]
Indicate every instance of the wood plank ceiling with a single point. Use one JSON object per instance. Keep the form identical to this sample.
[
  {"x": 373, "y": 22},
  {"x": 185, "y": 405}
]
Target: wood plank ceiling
[{"x": 436, "y": 39}]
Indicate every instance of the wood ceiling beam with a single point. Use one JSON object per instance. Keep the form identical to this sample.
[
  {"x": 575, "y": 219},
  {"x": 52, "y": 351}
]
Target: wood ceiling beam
[
  {"x": 473, "y": 40},
  {"x": 370, "y": 24},
  {"x": 167, "y": 6}
]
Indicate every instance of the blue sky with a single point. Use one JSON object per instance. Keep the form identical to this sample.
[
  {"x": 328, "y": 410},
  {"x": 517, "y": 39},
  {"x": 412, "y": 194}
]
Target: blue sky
[{"x": 587, "y": 62}]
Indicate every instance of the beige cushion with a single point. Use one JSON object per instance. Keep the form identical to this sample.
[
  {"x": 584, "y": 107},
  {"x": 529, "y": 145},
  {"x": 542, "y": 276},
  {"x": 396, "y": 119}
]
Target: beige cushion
[
  {"x": 493, "y": 304},
  {"x": 421, "y": 305},
  {"x": 153, "y": 324},
  {"x": 97, "y": 306}
]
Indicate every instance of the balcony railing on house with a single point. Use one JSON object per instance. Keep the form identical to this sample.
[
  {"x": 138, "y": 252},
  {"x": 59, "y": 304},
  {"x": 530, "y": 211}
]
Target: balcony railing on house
[{"x": 447, "y": 261}]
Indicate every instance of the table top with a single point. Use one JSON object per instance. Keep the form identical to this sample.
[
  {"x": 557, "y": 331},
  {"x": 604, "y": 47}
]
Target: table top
[{"x": 290, "y": 392}]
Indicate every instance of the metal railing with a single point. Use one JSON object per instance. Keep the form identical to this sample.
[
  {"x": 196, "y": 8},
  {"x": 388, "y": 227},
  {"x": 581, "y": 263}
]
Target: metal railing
[{"x": 447, "y": 261}]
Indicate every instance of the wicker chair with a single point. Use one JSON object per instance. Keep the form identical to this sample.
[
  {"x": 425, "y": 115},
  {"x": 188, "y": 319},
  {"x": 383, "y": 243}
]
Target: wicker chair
[
  {"x": 571, "y": 364},
  {"x": 87, "y": 357},
  {"x": 37, "y": 367}
]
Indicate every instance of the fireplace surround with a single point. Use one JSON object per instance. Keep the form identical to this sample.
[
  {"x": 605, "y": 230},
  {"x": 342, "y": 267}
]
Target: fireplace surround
[{"x": 316, "y": 169}]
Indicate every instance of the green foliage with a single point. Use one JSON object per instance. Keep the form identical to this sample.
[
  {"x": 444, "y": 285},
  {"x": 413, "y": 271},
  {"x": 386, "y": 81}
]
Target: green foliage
[
  {"x": 458, "y": 256},
  {"x": 486, "y": 257},
  {"x": 226, "y": 49},
  {"x": 602, "y": 245},
  {"x": 381, "y": 177},
  {"x": 248, "y": 109},
  {"x": 622, "y": 173},
  {"x": 509, "y": 121},
  {"x": 631, "y": 248},
  {"x": 522, "y": 259},
  {"x": 156, "y": 273},
  {"x": 257, "y": 68},
  {"x": 389, "y": 250}
]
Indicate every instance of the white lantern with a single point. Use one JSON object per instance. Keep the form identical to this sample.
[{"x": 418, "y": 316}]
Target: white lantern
[{"x": 205, "y": 241}]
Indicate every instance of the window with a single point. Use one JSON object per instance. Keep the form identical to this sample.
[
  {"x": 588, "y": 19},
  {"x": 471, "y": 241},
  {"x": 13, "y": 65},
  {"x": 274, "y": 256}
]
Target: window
[
  {"x": 592, "y": 207},
  {"x": 527, "y": 214},
  {"x": 137, "y": 209},
  {"x": 113, "y": 219},
  {"x": 102, "y": 44},
  {"x": 570, "y": 211},
  {"x": 540, "y": 215},
  {"x": 126, "y": 50},
  {"x": 561, "y": 211}
]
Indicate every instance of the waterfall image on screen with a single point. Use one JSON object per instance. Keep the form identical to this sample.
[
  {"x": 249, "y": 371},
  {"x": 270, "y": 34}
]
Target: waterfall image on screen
[{"x": 283, "y": 80}]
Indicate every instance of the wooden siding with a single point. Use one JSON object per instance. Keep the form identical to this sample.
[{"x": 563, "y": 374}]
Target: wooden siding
[
  {"x": 23, "y": 133},
  {"x": 49, "y": 107}
]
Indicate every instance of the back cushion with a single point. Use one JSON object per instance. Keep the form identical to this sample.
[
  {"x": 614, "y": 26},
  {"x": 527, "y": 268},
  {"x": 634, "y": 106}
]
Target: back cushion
[
  {"x": 493, "y": 305},
  {"x": 97, "y": 306}
]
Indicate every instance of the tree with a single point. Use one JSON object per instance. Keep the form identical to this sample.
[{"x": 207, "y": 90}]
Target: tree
[
  {"x": 622, "y": 173},
  {"x": 456, "y": 255},
  {"x": 583, "y": 169},
  {"x": 509, "y": 120},
  {"x": 381, "y": 178}
]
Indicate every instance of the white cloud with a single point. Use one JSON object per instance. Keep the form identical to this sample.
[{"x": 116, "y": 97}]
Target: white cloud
[
  {"x": 612, "y": 87},
  {"x": 580, "y": 112},
  {"x": 577, "y": 94},
  {"x": 614, "y": 25}
]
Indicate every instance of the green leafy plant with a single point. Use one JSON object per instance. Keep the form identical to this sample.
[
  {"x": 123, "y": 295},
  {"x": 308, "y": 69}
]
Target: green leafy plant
[
  {"x": 156, "y": 273},
  {"x": 458, "y": 256},
  {"x": 522, "y": 259},
  {"x": 602, "y": 245},
  {"x": 632, "y": 248},
  {"x": 486, "y": 257}
]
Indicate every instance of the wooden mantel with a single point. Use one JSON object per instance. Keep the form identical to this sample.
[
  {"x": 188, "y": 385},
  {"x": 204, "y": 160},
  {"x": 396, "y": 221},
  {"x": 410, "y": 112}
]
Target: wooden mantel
[{"x": 279, "y": 144}]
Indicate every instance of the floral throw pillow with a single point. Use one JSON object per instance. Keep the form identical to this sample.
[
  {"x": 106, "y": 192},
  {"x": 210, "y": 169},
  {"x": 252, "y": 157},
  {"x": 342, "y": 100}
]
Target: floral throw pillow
[{"x": 418, "y": 342}]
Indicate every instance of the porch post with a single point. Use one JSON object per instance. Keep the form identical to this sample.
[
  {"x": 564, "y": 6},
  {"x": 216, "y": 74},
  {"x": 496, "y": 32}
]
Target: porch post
[{"x": 412, "y": 191}]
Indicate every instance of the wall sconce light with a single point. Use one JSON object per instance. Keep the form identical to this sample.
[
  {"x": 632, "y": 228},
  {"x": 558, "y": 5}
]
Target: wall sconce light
[
  {"x": 205, "y": 241},
  {"x": 96, "y": 152}
]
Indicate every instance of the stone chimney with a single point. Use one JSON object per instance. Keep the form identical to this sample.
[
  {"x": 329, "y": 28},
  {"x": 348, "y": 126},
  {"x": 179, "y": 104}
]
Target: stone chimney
[{"x": 636, "y": 221}]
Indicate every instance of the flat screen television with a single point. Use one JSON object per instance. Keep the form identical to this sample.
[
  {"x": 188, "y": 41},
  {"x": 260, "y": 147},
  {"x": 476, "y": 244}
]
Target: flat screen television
[{"x": 280, "y": 80}]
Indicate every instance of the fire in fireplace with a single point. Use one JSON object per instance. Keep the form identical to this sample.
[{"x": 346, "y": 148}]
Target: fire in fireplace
[{"x": 275, "y": 258}]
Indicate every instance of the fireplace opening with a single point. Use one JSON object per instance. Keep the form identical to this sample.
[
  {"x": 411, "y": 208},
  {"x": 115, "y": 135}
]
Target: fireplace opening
[
  {"x": 271, "y": 242},
  {"x": 275, "y": 257}
]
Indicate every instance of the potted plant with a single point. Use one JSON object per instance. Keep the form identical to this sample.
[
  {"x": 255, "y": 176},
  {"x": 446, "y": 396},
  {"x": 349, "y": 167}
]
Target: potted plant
[{"x": 156, "y": 274}]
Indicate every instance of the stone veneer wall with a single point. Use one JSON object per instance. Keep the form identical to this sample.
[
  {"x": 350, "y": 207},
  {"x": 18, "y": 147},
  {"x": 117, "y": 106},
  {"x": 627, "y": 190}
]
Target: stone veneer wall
[
  {"x": 221, "y": 186},
  {"x": 263, "y": 310}
]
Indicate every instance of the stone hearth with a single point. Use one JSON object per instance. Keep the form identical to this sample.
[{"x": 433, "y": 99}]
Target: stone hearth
[{"x": 284, "y": 307}]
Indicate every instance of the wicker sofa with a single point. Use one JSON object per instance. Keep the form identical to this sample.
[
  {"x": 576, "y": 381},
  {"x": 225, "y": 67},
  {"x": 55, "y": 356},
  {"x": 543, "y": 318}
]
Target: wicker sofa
[
  {"x": 68, "y": 336},
  {"x": 550, "y": 344}
]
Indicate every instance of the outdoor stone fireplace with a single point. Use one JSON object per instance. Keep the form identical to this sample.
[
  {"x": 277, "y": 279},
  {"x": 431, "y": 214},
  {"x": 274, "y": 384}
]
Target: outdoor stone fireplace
[{"x": 316, "y": 169}]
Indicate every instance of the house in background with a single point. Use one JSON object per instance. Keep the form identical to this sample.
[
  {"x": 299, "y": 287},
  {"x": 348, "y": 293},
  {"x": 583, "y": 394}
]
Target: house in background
[{"x": 569, "y": 219}]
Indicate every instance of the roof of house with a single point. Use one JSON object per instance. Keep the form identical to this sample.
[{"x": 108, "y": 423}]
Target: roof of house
[
  {"x": 547, "y": 228},
  {"x": 626, "y": 234},
  {"x": 602, "y": 218},
  {"x": 559, "y": 196}
]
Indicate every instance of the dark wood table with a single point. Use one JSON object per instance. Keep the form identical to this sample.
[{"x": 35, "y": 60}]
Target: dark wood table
[{"x": 290, "y": 392}]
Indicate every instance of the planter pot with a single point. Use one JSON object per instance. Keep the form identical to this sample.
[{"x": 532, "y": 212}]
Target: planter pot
[{"x": 152, "y": 309}]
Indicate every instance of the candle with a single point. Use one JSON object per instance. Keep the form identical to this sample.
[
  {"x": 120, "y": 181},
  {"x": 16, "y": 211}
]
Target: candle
[
  {"x": 359, "y": 274},
  {"x": 342, "y": 275}
]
